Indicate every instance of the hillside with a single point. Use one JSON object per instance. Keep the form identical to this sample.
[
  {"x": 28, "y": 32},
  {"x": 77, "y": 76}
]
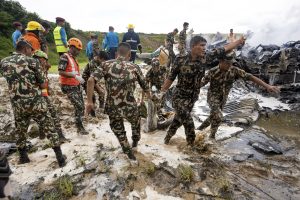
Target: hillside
[{"x": 11, "y": 11}]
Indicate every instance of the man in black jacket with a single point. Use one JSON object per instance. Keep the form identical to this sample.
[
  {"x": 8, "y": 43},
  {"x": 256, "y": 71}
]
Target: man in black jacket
[{"x": 133, "y": 39}]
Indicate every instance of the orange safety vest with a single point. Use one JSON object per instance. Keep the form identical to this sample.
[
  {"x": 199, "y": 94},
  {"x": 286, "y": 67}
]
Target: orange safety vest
[
  {"x": 33, "y": 40},
  {"x": 72, "y": 66}
]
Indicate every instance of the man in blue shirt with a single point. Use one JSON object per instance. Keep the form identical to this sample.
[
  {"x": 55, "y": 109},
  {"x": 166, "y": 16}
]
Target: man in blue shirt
[
  {"x": 111, "y": 42},
  {"x": 133, "y": 40},
  {"x": 17, "y": 34},
  {"x": 92, "y": 47}
]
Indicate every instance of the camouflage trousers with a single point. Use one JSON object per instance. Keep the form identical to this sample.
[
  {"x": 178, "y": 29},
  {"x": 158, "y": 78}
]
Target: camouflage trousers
[
  {"x": 183, "y": 108},
  {"x": 215, "y": 117},
  {"x": 53, "y": 113},
  {"x": 74, "y": 94},
  {"x": 36, "y": 110},
  {"x": 116, "y": 122},
  {"x": 171, "y": 55},
  {"x": 182, "y": 48}
]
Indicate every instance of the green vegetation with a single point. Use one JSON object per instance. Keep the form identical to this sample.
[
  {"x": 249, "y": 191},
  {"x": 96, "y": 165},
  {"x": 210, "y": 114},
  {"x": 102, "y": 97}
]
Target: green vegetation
[
  {"x": 65, "y": 186},
  {"x": 186, "y": 173},
  {"x": 11, "y": 11}
]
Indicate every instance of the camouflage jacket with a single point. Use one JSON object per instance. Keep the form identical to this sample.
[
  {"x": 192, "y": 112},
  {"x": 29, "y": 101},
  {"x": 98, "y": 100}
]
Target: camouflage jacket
[
  {"x": 96, "y": 48},
  {"x": 182, "y": 37},
  {"x": 23, "y": 75},
  {"x": 120, "y": 78},
  {"x": 221, "y": 82},
  {"x": 189, "y": 73},
  {"x": 170, "y": 40},
  {"x": 89, "y": 69},
  {"x": 156, "y": 77},
  {"x": 43, "y": 42}
]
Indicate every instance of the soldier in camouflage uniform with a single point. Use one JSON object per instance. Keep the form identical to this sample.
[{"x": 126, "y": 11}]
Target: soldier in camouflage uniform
[
  {"x": 70, "y": 80},
  {"x": 120, "y": 78},
  {"x": 221, "y": 79},
  {"x": 43, "y": 35},
  {"x": 100, "y": 57},
  {"x": 189, "y": 70},
  {"x": 156, "y": 77},
  {"x": 45, "y": 65},
  {"x": 182, "y": 39},
  {"x": 170, "y": 41},
  {"x": 24, "y": 78}
]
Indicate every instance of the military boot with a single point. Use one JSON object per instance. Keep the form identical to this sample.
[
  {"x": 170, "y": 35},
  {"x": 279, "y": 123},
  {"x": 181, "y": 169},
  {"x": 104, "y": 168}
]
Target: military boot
[
  {"x": 80, "y": 129},
  {"x": 127, "y": 150},
  {"x": 130, "y": 155},
  {"x": 167, "y": 139},
  {"x": 93, "y": 113},
  {"x": 23, "y": 156},
  {"x": 134, "y": 143},
  {"x": 61, "y": 159},
  {"x": 61, "y": 136}
]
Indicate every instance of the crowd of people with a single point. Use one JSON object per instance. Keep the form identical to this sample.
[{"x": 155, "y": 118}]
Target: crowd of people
[{"x": 26, "y": 73}]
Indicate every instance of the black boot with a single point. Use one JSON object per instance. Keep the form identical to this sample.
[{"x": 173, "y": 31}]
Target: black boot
[
  {"x": 93, "y": 113},
  {"x": 167, "y": 139},
  {"x": 59, "y": 156},
  {"x": 128, "y": 151},
  {"x": 134, "y": 143},
  {"x": 80, "y": 129},
  {"x": 23, "y": 156},
  {"x": 130, "y": 155},
  {"x": 61, "y": 136}
]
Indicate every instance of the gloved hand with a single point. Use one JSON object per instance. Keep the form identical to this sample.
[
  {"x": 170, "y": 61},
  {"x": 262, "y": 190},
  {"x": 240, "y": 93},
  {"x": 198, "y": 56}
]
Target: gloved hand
[
  {"x": 140, "y": 48},
  {"x": 79, "y": 78},
  {"x": 74, "y": 73}
]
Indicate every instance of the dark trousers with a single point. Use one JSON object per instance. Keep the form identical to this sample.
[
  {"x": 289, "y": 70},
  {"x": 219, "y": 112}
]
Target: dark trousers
[
  {"x": 112, "y": 52},
  {"x": 132, "y": 57}
]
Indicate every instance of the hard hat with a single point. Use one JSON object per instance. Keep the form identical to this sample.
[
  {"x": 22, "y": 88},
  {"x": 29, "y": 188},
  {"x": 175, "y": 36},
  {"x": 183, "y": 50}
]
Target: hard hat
[
  {"x": 75, "y": 42},
  {"x": 40, "y": 54},
  {"x": 130, "y": 26},
  {"x": 33, "y": 26}
]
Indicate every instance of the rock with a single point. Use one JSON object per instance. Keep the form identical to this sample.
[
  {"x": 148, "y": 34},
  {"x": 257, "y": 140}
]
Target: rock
[
  {"x": 242, "y": 157},
  {"x": 267, "y": 147},
  {"x": 225, "y": 132}
]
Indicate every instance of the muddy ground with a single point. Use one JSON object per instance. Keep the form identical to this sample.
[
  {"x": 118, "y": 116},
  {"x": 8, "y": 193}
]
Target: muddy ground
[{"x": 233, "y": 168}]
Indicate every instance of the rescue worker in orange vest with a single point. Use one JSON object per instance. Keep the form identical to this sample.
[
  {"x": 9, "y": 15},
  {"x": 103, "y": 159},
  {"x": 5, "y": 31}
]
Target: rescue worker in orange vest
[
  {"x": 70, "y": 80},
  {"x": 32, "y": 36}
]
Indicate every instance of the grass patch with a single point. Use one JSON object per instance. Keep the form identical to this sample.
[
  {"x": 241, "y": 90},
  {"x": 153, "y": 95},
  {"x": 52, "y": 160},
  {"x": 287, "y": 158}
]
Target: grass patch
[
  {"x": 65, "y": 186},
  {"x": 186, "y": 173},
  {"x": 150, "y": 169}
]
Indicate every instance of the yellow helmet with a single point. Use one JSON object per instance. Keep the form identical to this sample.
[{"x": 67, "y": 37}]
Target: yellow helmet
[
  {"x": 130, "y": 26},
  {"x": 33, "y": 25}
]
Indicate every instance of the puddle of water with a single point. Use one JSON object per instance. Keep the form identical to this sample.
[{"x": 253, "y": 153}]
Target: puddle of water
[{"x": 280, "y": 124}]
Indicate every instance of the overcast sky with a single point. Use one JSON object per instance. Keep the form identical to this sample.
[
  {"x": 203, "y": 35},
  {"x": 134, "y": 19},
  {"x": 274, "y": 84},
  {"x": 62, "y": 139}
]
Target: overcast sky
[{"x": 272, "y": 21}]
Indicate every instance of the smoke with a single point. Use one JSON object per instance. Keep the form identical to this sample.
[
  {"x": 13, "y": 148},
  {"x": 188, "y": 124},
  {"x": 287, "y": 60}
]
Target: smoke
[{"x": 278, "y": 28}]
